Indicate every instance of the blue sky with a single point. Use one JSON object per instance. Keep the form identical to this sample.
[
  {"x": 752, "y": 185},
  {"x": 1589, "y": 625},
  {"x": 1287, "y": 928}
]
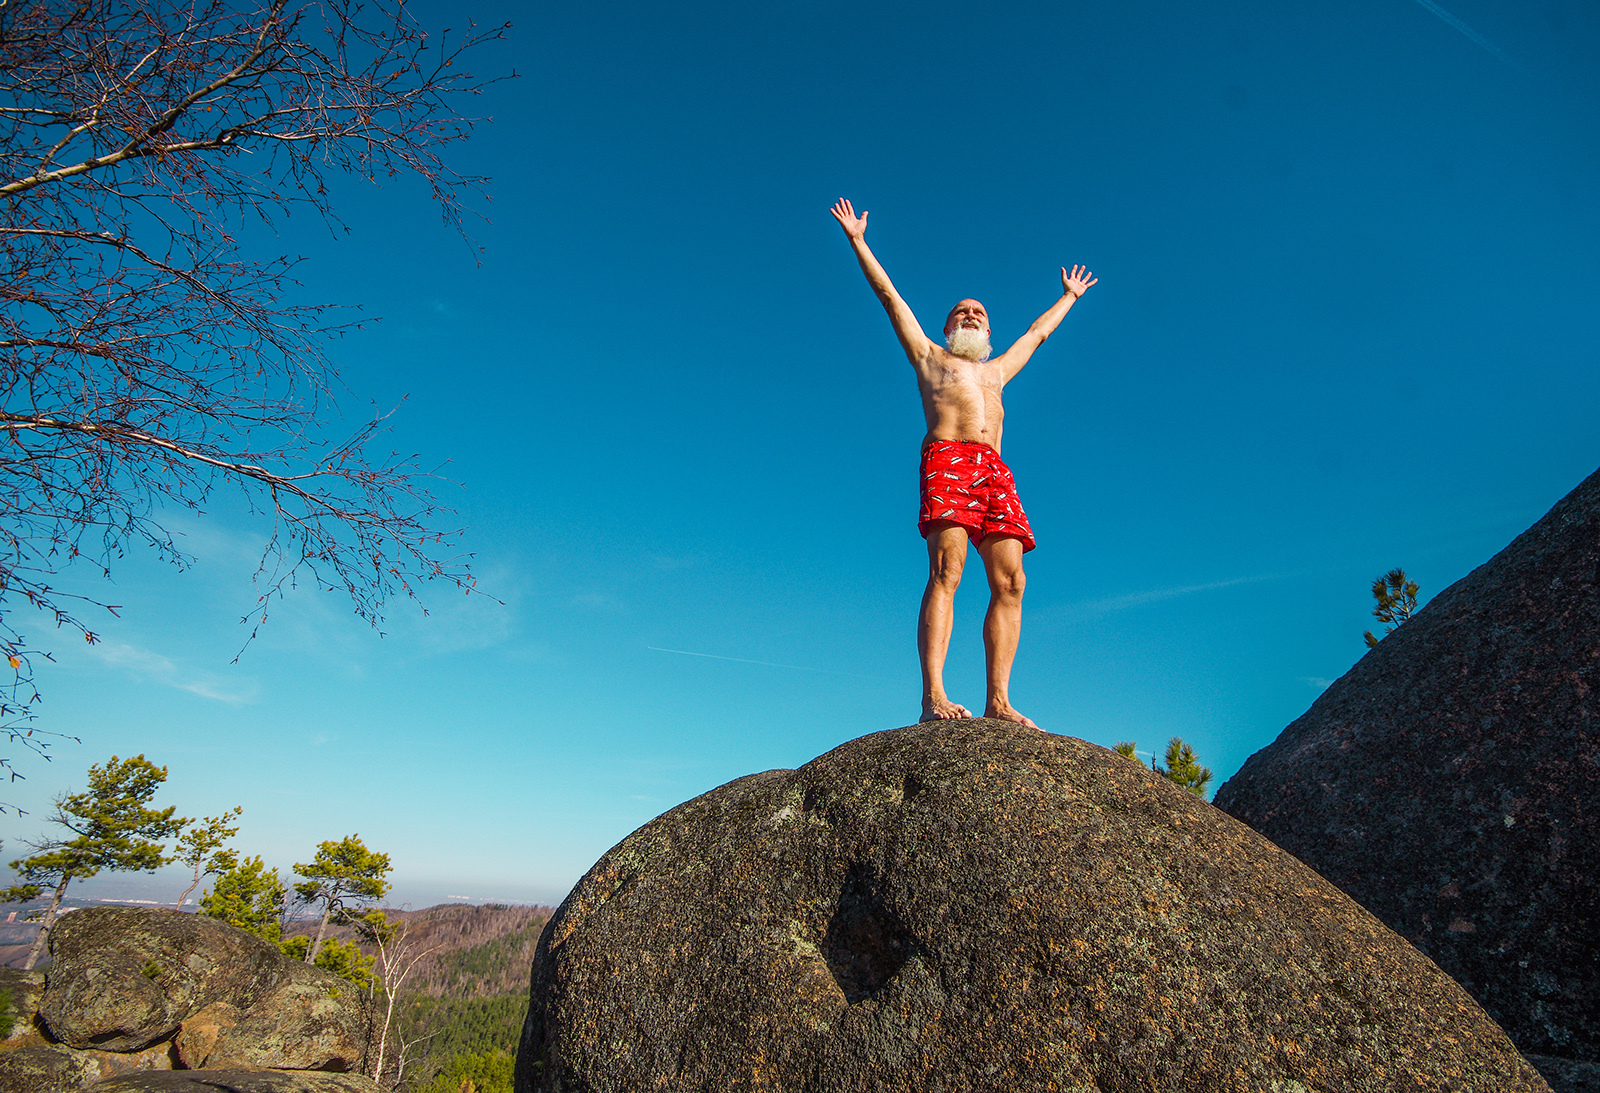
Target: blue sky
[{"x": 1345, "y": 322}]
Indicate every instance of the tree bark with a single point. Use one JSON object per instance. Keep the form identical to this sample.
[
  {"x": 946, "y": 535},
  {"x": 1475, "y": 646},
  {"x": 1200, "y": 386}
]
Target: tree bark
[
  {"x": 45, "y": 924},
  {"x": 322, "y": 928},
  {"x": 192, "y": 886}
]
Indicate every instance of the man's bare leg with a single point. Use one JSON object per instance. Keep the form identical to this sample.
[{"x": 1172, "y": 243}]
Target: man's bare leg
[
  {"x": 1002, "y": 626},
  {"x": 947, "y": 554}
]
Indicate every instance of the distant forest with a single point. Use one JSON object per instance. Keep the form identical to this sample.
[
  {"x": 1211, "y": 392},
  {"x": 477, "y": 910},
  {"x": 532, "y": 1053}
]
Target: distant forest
[{"x": 461, "y": 1011}]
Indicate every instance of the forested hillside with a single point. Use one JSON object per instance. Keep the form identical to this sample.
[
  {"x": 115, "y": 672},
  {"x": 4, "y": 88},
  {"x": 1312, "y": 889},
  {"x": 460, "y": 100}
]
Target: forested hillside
[
  {"x": 461, "y": 1009},
  {"x": 476, "y": 952}
]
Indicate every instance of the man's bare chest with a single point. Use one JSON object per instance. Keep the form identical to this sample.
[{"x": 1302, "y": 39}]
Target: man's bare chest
[{"x": 960, "y": 380}]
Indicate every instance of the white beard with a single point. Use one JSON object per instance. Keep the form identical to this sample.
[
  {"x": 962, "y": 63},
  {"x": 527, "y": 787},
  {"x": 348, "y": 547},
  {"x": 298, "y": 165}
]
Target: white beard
[{"x": 972, "y": 345}]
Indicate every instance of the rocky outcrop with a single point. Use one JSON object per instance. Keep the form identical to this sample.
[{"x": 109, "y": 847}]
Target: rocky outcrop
[
  {"x": 1567, "y": 1075},
  {"x": 238, "y": 1081},
  {"x": 24, "y": 989},
  {"x": 972, "y": 905},
  {"x": 46, "y": 1068},
  {"x": 135, "y": 989},
  {"x": 1450, "y": 782}
]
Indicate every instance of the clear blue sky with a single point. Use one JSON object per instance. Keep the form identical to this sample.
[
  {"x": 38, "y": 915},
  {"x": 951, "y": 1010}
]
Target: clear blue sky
[{"x": 1346, "y": 321}]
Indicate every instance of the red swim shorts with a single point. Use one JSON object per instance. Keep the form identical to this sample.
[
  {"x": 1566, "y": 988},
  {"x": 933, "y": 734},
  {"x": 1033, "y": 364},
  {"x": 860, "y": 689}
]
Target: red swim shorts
[{"x": 965, "y": 482}]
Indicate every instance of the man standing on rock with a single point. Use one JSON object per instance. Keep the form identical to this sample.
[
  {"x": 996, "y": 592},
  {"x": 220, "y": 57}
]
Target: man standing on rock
[{"x": 967, "y": 492}]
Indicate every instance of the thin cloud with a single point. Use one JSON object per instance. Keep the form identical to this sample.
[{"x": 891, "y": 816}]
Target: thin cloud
[
  {"x": 1156, "y": 595},
  {"x": 159, "y": 669},
  {"x": 1471, "y": 34}
]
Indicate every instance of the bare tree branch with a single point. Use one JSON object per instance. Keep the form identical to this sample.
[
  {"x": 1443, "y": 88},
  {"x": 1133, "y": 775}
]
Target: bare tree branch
[{"x": 144, "y": 359}]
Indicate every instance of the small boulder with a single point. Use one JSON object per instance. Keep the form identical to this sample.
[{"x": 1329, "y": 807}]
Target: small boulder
[
  {"x": 109, "y": 1064},
  {"x": 198, "y": 1035},
  {"x": 307, "y": 1023},
  {"x": 973, "y": 905}
]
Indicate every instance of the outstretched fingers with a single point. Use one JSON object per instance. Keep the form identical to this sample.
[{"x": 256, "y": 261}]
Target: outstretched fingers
[
  {"x": 1078, "y": 281},
  {"x": 845, "y": 214}
]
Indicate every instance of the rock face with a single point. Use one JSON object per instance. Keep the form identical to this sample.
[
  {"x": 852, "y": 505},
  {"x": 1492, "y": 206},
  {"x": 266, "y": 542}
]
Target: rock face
[
  {"x": 238, "y": 1081},
  {"x": 971, "y": 905},
  {"x": 46, "y": 1068},
  {"x": 1450, "y": 782},
  {"x": 25, "y": 988},
  {"x": 134, "y": 989}
]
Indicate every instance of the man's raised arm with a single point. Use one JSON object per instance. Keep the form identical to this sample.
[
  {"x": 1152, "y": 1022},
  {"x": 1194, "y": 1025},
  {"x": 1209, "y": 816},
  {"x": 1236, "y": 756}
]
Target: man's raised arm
[
  {"x": 905, "y": 323},
  {"x": 1073, "y": 285}
]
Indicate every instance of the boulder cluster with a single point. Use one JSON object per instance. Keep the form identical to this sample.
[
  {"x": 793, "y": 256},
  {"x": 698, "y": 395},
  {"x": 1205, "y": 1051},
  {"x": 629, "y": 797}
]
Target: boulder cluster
[{"x": 131, "y": 992}]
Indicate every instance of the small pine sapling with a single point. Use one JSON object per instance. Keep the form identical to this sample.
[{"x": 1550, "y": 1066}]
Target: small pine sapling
[
  {"x": 1397, "y": 601},
  {"x": 1184, "y": 770}
]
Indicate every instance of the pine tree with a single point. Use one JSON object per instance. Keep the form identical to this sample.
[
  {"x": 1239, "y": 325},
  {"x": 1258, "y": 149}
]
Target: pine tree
[
  {"x": 250, "y": 896},
  {"x": 112, "y": 830},
  {"x": 342, "y": 872},
  {"x": 201, "y": 848},
  {"x": 1181, "y": 765},
  {"x": 1182, "y": 768},
  {"x": 342, "y": 958},
  {"x": 1397, "y": 601}
]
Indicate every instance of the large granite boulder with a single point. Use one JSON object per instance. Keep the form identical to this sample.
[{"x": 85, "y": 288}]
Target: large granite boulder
[
  {"x": 127, "y": 980},
  {"x": 971, "y": 905},
  {"x": 1450, "y": 782}
]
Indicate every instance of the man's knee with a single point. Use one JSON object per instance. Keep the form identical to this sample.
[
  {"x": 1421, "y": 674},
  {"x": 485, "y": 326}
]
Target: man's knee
[
  {"x": 944, "y": 568},
  {"x": 1007, "y": 583},
  {"x": 1003, "y": 563}
]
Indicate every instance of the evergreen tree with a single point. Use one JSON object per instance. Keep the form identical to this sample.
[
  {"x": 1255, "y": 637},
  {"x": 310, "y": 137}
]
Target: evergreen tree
[
  {"x": 486, "y": 1072},
  {"x": 342, "y": 958},
  {"x": 1397, "y": 601},
  {"x": 1182, "y": 768},
  {"x": 200, "y": 847},
  {"x": 1181, "y": 765},
  {"x": 112, "y": 830},
  {"x": 250, "y": 896},
  {"x": 342, "y": 872}
]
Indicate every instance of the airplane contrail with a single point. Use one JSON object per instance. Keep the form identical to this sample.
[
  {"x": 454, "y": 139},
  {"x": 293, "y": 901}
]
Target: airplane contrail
[
  {"x": 763, "y": 663},
  {"x": 1466, "y": 30}
]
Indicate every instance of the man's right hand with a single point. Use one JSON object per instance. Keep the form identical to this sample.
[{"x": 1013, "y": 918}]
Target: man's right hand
[{"x": 854, "y": 226}]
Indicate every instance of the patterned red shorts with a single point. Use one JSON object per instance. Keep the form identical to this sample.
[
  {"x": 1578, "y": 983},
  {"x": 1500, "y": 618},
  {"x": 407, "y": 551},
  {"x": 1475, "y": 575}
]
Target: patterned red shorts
[{"x": 965, "y": 482}]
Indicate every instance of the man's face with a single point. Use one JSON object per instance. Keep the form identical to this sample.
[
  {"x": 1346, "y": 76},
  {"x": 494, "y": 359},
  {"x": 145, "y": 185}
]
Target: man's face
[
  {"x": 967, "y": 315},
  {"x": 966, "y": 331}
]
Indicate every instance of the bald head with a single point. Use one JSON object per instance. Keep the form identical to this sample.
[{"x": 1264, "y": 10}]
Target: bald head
[{"x": 968, "y": 313}]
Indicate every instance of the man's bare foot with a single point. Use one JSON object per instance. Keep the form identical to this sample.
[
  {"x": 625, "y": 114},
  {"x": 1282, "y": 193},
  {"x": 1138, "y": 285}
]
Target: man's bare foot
[
  {"x": 1008, "y": 712},
  {"x": 942, "y": 709}
]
